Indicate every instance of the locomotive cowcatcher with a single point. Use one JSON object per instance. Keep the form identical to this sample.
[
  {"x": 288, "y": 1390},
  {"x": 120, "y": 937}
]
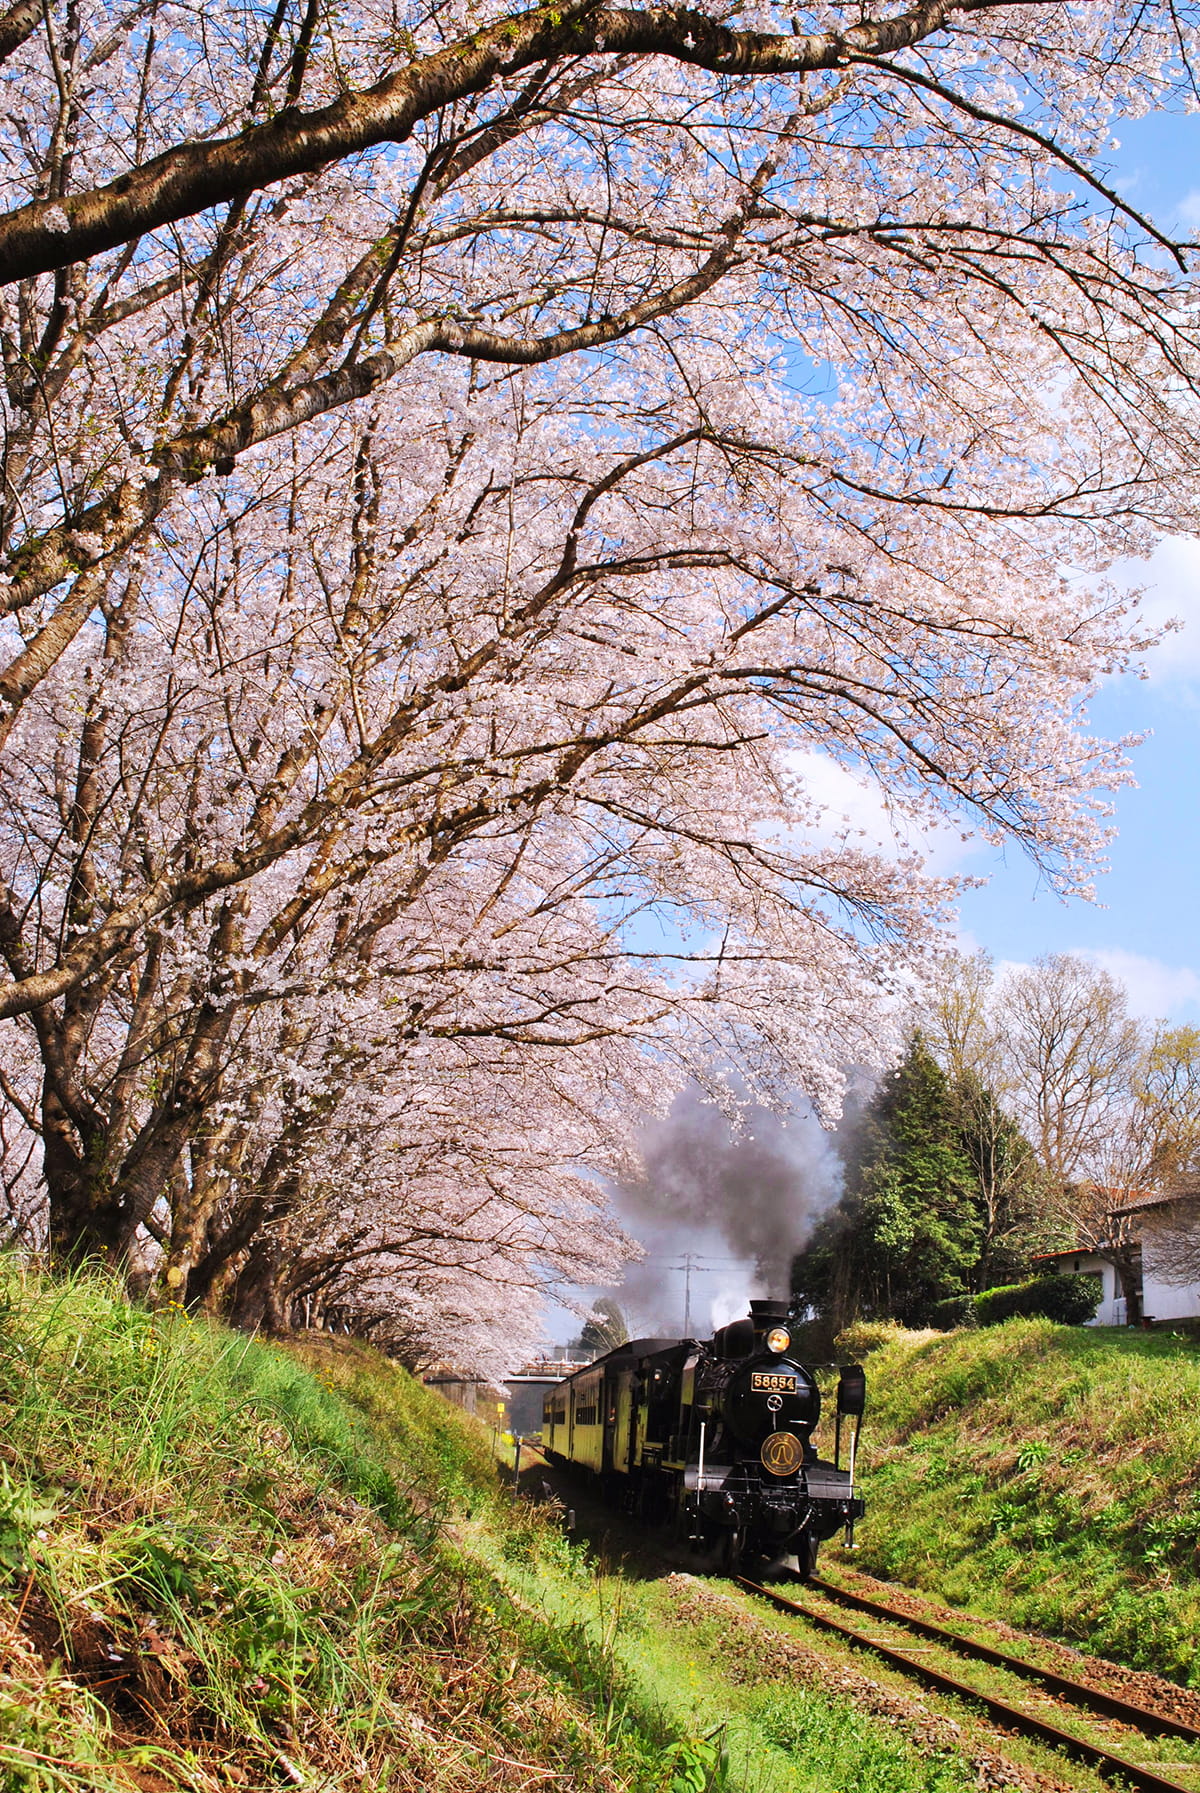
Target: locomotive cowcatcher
[{"x": 715, "y": 1439}]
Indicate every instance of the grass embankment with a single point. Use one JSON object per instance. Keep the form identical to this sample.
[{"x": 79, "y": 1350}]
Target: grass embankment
[
  {"x": 1046, "y": 1475},
  {"x": 224, "y": 1564},
  {"x": 214, "y": 1578}
]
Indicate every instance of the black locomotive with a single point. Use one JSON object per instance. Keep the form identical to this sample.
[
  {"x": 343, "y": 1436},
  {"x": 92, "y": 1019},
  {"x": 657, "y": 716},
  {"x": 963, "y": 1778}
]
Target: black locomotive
[{"x": 715, "y": 1438}]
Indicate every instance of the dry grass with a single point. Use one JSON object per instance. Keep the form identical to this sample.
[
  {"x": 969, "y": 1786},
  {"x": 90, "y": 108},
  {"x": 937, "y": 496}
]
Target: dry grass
[{"x": 210, "y": 1577}]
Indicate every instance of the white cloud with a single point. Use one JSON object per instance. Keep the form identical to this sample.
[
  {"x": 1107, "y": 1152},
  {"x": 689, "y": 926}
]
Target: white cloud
[
  {"x": 1157, "y": 991},
  {"x": 1188, "y": 209},
  {"x": 1171, "y": 581},
  {"x": 861, "y": 806}
]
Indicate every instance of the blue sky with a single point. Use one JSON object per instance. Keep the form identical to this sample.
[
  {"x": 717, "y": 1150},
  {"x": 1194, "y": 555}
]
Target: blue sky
[{"x": 1145, "y": 925}]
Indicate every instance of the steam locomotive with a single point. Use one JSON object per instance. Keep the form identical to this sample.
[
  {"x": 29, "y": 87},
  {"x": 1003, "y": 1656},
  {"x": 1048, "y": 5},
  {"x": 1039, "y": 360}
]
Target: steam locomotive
[{"x": 715, "y": 1439}]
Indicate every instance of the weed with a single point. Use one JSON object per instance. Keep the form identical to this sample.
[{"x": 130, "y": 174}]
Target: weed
[
  {"x": 1032, "y": 1455},
  {"x": 22, "y": 1516},
  {"x": 697, "y": 1764}
]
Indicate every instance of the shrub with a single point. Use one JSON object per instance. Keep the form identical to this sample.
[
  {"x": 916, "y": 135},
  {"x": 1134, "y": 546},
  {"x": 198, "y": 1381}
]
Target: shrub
[
  {"x": 1068, "y": 1299},
  {"x": 959, "y": 1310},
  {"x": 1071, "y": 1300}
]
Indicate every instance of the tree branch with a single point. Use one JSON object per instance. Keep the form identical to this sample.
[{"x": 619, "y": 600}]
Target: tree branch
[
  {"x": 18, "y": 23},
  {"x": 192, "y": 177}
]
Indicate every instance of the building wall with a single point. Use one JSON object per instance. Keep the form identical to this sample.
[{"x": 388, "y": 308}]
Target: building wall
[
  {"x": 1111, "y": 1308},
  {"x": 479, "y": 1398},
  {"x": 1162, "y": 1300}
]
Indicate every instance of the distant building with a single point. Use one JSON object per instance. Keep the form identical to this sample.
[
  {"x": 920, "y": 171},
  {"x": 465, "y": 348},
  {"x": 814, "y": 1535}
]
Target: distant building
[
  {"x": 472, "y": 1393},
  {"x": 1160, "y": 1236},
  {"x": 515, "y": 1405},
  {"x": 1112, "y": 1307}
]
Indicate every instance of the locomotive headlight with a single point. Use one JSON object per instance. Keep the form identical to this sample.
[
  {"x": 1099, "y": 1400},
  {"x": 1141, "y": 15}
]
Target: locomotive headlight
[{"x": 778, "y": 1339}]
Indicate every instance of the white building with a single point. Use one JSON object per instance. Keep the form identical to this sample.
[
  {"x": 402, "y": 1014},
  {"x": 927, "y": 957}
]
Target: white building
[
  {"x": 1112, "y": 1308},
  {"x": 1151, "y": 1226}
]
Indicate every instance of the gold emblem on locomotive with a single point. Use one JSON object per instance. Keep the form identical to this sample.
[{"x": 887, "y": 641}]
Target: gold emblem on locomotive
[{"x": 781, "y": 1454}]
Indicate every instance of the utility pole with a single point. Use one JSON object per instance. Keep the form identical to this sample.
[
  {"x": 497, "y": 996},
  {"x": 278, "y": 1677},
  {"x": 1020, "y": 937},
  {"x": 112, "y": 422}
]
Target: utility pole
[
  {"x": 696, "y": 1260},
  {"x": 689, "y": 1259}
]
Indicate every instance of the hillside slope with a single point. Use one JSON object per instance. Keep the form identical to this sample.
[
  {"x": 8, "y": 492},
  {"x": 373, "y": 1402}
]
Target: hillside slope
[
  {"x": 210, "y": 1576},
  {"x": 228, "y": 1565},
  {"x": 1047, "y": 1475}
]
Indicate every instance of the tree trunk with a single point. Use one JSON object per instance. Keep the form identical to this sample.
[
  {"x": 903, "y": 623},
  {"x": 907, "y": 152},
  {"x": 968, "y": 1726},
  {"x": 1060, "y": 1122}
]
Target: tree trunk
[
  {"x": 86, "y": 1217},
  {"x": 257, "y": 1300}
]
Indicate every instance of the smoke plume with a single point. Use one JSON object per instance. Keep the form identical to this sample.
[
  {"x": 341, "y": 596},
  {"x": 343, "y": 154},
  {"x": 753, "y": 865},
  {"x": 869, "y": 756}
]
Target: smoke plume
[{"x": 739, "y": 1202}]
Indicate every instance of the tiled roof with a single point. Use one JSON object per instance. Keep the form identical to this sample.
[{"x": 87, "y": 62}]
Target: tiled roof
[{"x": 1150, "y": 1198}]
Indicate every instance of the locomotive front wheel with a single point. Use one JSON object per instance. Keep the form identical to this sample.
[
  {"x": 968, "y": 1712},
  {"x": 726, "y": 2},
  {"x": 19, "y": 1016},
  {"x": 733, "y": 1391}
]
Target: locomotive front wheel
[{"x": 806, "y": 1556}]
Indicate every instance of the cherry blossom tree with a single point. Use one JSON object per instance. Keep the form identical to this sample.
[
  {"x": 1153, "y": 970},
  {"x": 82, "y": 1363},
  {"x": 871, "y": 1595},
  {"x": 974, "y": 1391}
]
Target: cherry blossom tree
[{"x": 456, "y": 460}]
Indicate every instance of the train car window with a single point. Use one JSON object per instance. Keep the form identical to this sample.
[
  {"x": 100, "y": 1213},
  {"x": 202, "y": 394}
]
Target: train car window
[{"x": 661, "y": 1405}]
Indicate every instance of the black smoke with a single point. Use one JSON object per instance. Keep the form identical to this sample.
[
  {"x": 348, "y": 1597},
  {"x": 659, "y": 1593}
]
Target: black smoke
[{"x": 739, "y": 1195}]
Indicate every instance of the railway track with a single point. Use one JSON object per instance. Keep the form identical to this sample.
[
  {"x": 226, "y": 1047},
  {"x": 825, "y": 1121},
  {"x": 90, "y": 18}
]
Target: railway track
[{"x": 1075, "y": 1694}]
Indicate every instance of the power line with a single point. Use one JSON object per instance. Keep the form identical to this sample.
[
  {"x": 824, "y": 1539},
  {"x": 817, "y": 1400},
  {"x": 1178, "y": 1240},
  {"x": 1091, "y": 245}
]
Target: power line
[
  {"x": 702, "y": 1263},
  {"x": 695, "y": 1261}
]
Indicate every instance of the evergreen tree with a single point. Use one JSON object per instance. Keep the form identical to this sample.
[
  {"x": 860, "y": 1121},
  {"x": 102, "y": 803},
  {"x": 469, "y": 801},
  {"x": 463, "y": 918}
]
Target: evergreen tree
[
  {"x": 1010, "y": 1186},
  {"x": 604, "y": 1329},
  {"x": 910, "y": 1228}
]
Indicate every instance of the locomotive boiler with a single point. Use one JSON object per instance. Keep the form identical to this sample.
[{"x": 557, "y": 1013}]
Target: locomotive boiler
[{"x": 715, "y": 1438}]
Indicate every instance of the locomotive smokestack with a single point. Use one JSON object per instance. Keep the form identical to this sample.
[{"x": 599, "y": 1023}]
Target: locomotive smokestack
[{"x": 766, "y": 1314}]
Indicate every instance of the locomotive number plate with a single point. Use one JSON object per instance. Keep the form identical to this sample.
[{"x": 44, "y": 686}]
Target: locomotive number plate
[{"x": 771, "y": 1382}]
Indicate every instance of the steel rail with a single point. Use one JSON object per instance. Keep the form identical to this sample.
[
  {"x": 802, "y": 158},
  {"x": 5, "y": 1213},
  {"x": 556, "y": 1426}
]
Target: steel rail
[
  {"x": 1110, "y": 1705},
  {"x": 1105, "y": 1761}
]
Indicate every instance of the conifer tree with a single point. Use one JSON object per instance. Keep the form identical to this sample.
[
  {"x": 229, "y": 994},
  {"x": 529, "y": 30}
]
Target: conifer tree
[
  {"x": 909, "y": 1229},
  {"x": 1009, "y": 1184},
  {"x": 604, "y": 1329}
]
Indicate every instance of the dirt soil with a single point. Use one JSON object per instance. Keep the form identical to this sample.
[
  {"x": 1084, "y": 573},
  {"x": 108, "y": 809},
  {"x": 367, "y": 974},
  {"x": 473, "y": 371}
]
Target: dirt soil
[{"x": 1137, "y": 1685}]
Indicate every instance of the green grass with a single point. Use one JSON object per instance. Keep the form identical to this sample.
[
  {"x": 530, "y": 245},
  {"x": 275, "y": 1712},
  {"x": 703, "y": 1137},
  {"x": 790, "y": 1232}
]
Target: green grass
[
  {"x": 652, "y": 1662},
  {"x": 661, "y": 1693},
  {"x": 1046, "y": 1475},
  {"x": 211, "y": 1575},
  {"x": 226, "y": 1564}
]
